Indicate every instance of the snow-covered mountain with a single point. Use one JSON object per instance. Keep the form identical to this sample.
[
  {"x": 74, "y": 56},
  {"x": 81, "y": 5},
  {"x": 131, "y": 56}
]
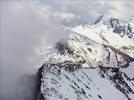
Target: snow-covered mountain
[
  {"x": 90, "y": 64},
  {"x": 110, "y": 31}
]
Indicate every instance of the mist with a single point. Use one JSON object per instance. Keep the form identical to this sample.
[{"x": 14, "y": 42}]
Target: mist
[
  {"x": 26, "y": 25},
  {"x": 21, "y": 32}
]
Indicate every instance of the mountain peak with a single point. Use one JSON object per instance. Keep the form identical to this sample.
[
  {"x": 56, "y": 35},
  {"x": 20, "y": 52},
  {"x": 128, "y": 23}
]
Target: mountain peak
[
  {"x": 103, "y": 19},
  {"x": 123, "y": 28}
]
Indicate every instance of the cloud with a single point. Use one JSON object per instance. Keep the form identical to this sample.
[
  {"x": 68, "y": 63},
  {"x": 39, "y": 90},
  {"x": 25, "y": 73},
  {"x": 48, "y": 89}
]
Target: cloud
[
  {"x": 114, "y": 8},
  {"x": 65, "y": 15},
  {"x": 22, "y": 29}
]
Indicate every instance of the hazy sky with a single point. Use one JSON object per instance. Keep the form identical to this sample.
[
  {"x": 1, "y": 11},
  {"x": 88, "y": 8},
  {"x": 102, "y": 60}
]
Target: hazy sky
[{"x": 26, "y": 25}]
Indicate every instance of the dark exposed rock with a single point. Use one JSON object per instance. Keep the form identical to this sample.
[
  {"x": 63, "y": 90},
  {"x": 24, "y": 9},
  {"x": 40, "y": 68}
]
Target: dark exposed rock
[{"x": 38, "y": 93}]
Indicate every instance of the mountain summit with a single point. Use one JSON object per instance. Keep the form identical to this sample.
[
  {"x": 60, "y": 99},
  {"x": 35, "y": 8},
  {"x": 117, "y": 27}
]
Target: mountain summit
[
  {"x": 123, "y": 28},
  {"x": 90, "y": 63}
]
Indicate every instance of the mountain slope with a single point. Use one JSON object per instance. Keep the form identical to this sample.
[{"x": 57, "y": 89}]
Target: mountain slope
[
  {"x": 89, "y": 65},
  {"x": 70, "y": 81},
  {"x": 110, "y": 31}
]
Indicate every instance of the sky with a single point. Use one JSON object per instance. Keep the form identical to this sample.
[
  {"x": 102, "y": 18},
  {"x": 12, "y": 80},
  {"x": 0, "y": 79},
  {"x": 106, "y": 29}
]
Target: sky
[{"x": 27, "y": 25}]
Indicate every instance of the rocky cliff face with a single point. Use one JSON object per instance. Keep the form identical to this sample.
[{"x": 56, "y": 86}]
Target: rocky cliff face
[{"x": 90, "y": 64}]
